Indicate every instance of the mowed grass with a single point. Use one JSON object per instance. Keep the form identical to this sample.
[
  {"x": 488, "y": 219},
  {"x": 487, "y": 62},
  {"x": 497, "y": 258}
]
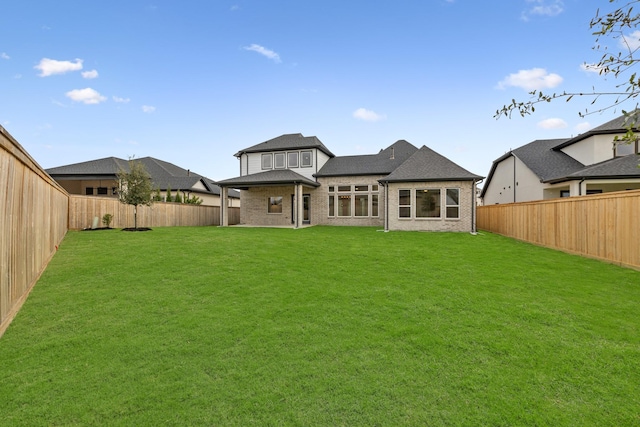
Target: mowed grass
[{"x": 321, "y": 326}]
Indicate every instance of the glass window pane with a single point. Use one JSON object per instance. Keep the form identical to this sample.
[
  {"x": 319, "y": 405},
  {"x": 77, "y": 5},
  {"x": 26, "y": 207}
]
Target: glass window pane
[
  {"x": 428, "y": 203},
  {"x": 344, "y": 188},
  {"x": 362, "y": 188},
  {"x": 344, "y": 205},
  {"x": 293, "y": 159},
  {"x": 332, "y": 211},
  {"x": 374, "y": 187},
  {"x": 279, "y": 160},
  {"x": 374, "y": 205},
  {"x": 306, "y": 159},
  {"x": 331, "y": 189},
  {"x": 275, "y": 204},
  {"x": 88, "y": 191},
  {"x": 362, "y": 205},
  {"x": 266, "y": 161},
  {"x": 452, "y": 196},
  {"x": 452, "y": 211},
  {"x": 405, "y": 212},
  {"x": 404, "y": 197}
]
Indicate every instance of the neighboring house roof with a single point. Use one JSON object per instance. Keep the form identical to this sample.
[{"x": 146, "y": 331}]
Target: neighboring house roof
[
  {"x": 383, "y": 163},
  {"x": 272, "y": 177},
  {"x": 541, "y": 157},
  {"x": 618, "y": 168},
  {"x": 163, "y": 174},
  {"x": 292, "y": 141},
  {"x": 427, "y": 165},
  {"x": 617, "y": 125}
]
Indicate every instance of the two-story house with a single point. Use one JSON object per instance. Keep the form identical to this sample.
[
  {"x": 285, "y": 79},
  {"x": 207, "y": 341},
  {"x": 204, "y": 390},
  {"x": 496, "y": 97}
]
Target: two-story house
[
  {"x": 293, "y": 180},
  {"x": 590, "y": 163}
]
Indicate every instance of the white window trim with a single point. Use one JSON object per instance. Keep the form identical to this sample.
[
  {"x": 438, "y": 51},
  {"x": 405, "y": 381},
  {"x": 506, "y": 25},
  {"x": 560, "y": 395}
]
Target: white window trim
[
  {"x": 451, "y": 206},
  {"x": 284, "y": 161},
  {"x": 410, "y": 205},
  {"x": 430, "y": 218},
  {"x": 297, "y": 165},
  {"x": 302, "y": 165}
]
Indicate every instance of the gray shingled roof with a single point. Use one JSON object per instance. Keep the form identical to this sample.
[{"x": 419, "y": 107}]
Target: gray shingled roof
[
  {"x": 427, "y": 165},
  {"x": 163, "y": 174},
  {"x": 619, "y": 167},
  {"x": 383, "y": 163},
  {"x": 544, "y": 161},
  {"x": 272, "y": 177},
  {"x": 617, "y": 125},
  {"x": 292, "y": 141}
]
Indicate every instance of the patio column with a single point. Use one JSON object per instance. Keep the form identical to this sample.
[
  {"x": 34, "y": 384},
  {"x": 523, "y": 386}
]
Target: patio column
[
  {"x": 224, "y": 207},
  {"x": 299, "y": 208}
]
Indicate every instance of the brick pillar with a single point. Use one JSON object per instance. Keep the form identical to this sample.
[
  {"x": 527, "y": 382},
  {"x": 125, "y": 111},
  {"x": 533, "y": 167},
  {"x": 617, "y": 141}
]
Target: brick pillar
[{"x": 224, "y": 207}]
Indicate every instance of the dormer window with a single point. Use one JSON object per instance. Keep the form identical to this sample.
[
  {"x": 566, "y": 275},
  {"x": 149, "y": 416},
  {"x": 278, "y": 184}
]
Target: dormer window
[{"x": 267, "y": 161}]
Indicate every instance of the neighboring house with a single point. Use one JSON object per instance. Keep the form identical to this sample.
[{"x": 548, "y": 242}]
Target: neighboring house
[
  {"x": 99, "y": 178},
  {"x": 294, "y": 180},
  {"x": 590, "y": 163}
]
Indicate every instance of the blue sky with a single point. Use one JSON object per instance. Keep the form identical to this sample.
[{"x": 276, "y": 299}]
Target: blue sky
[{"x": 192, "y": 82}]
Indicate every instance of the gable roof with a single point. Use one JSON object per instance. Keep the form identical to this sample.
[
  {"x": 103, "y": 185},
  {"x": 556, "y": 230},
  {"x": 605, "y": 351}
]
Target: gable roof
[
  {"x": 427, "y": 165},
  {"x": 291, "y": 141},
  {"x": 383, "y": 163},
  {"x": 541, "y": 157},
  {"x": 163, "y": 174},
  {"x": 271, "y": 177}
]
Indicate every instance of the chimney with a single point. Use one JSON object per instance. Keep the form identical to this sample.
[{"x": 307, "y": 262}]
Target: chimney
[{"x": 188, "y": 172}]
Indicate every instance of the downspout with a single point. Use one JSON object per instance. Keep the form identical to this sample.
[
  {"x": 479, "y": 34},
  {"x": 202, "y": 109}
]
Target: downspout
[
  {"x": 580, "y": 187},
  {"x": 386, "y": 207}
]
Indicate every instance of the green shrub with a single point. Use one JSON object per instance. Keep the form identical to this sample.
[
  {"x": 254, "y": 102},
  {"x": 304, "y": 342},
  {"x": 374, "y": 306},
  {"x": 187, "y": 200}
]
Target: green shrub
[{"x": 106, "y": 220}]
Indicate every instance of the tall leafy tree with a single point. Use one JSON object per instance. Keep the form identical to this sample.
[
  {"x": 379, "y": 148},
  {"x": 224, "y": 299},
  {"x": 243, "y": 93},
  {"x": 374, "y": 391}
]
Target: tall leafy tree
[
  {"x": 135, "y": 187},
  {"x": 618, "y": 26}
]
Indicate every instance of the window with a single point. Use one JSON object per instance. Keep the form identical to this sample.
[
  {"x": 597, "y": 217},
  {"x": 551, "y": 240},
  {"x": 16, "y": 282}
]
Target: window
[
  {"x": 344, "y": 188},
  {"x": 453, "y": 203},
  {"x": 275, "y": 205},
  {"x": 362, "y": 204},
  {"x": 88, "y": 191},
  {"x": 266, "y": 161},
  {"x": 565, "y": 193},
  {"x": 404, "y": 203},
  {"x": 362, "y": 188},
  {"x": 332, "y": 207},
  {"x": 624, "y": 148},
  {"x": 103, "y": 190},
  {"x": 278, "y": 160},
  {"x": 292, "y": 159},
  {"x": 374, "y": 187},
  {"x": 594, "y": 192},
  {"x": 344, "y": 205},
  {"x": 374, "y": 205},
  {"x": 307, "y": 160},
  {"x": 331, "y": 189},
  {"x": 428, "y": 203}
]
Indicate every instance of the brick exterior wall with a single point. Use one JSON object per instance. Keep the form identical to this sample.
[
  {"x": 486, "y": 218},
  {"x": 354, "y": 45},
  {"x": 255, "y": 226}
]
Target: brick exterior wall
[
  {"x": 463, "y": 224},
  {"x": 254, "y": 204}
]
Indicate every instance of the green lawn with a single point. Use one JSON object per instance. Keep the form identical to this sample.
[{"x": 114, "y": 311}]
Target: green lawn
[{"x": 321, "y": 326}]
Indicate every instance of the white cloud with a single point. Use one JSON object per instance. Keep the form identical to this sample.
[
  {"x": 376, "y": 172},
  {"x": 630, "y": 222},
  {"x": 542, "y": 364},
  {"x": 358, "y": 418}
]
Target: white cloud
[
  {"x": 543, "y": 8},
  {"x": 264, "y": 51},
  {"x": 583, "y": 127},
  {"x": 4, "y": 56},
  {"x": 533, "y": 79},
  {"x": 234, "y": 8},
  {"x": 17, "y": 76},
  {"x": 90, "y": 74},
  {"x": 86, "y": 96},
  {"x": 552, "y": 124},
  {"x": 631, "y": 41},
  {"x": 50, "y": 67},
  {"x": 121, "y": 100},
  {"x": 591, "y": 68},
  {"x": 368, "y": 115},
  {"x": 148, "y": 109}
]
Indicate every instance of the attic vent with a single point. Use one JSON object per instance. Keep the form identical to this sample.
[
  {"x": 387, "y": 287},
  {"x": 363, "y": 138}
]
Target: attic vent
[{"x": 393, "y": 153}]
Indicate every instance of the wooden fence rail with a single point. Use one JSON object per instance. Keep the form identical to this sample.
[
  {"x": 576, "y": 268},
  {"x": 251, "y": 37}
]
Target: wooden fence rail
[
  {"x": 34, "y": 213},
  {"x": 83, "y": 210},
  {"x": 604, "y": 226}
]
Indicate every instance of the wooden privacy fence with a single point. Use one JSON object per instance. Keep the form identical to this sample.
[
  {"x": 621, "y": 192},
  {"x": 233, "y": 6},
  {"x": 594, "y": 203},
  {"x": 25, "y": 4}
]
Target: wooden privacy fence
[
  {"x": 34, "y": 213},
  {"x": 83, "y": 210},
  {"x": 604, "y": 226}
]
